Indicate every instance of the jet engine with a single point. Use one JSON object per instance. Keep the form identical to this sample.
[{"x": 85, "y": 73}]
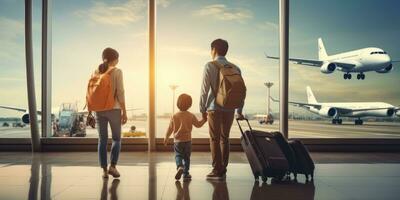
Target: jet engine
[
  {"x": 25, "y": 118},
  {"x": 398, "y": 113},
  {"x": 328, "y": 68},
  {"x": 328, "y": 112},
  {"x": 390, "y": 112},
  {"x": 386, "y": 69}
]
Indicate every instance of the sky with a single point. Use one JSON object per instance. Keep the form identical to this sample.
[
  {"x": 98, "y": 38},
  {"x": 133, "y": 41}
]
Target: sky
[{"x": 185, "y": 29}]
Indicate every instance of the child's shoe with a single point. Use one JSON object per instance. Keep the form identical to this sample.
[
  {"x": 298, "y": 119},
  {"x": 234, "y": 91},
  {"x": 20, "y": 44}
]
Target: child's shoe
[{"x": 179, "y": 173}]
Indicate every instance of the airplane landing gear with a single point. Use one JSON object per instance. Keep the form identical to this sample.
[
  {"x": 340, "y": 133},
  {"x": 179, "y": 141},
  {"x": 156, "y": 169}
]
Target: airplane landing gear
[
  {"x": 347, "y": 76},
  {"x": 337, "y": 121},
  {"x": 358, "y": 122},
  {"x": 361, "y": 76}
]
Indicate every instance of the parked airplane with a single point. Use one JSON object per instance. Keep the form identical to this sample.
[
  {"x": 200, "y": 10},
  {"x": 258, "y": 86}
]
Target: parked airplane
[
  {"x": 70, "y": 121},
  {"x": 349, "y": 109},
  {"x": 357, "y": 61}
]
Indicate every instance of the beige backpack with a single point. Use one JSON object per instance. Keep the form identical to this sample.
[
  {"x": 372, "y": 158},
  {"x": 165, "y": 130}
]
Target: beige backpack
[{"x": 231, "y": 90}]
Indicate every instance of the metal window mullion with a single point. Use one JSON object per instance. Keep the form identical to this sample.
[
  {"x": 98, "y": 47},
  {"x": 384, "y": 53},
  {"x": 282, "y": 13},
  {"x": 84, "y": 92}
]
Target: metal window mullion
[
  {"x": 30, "y": 78},
  {"x": 284, "y": 66},
  {"x": 46, "y": 67},
  {"x": 152, "y": 95}
]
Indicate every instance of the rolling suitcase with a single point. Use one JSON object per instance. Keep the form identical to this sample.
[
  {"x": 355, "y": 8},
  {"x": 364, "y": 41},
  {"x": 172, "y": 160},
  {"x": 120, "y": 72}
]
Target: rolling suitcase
[
  {"x": 263, "y": 153},
  {"x": 287, "y": 151},
  {"x": 304, "y": 162}
]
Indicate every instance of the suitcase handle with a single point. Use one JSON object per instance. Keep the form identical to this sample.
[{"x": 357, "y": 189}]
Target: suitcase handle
[{"x": 240, "y": 127}]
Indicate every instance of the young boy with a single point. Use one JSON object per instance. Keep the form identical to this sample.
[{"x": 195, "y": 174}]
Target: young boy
[{"x": 181, "y": 126}]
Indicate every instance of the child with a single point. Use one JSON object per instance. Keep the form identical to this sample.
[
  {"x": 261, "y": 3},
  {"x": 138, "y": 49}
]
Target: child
[{"x": 181, "y": 126}]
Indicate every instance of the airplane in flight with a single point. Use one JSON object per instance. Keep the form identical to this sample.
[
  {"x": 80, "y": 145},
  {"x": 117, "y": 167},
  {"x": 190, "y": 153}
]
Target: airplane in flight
[
  {"x": 355, "y": 110},
  {"x": 357, "y": 61}
]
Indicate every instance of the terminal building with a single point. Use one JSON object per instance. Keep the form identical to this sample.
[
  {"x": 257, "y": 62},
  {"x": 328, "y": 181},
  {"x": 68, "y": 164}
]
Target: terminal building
[{"x": 51, "y": 50}]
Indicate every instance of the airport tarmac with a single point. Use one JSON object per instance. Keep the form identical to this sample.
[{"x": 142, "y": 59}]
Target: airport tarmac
[{"x": 297, "y": 129}]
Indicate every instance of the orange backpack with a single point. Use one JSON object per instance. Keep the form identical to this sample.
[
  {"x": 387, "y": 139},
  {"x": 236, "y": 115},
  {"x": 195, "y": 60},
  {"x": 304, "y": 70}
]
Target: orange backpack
[{"x": 99, "y": 95}]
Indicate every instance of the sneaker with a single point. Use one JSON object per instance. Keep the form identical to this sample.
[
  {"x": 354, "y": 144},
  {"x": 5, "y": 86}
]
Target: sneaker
[
  {"x": 105, "y": 174},
  {"x": 179, "y": 173},
  {"x": 214, "y": 176},
  {"x": 113, "y": 172},
  {"x": 187, "y": 177}
]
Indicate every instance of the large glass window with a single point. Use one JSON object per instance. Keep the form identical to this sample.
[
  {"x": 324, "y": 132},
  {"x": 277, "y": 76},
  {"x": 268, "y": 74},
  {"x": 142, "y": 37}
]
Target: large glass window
[
  {"x": 13, "y": 96},
  {"x": 81, "y": 30},
  {"x": 185, "y": 30},
  {"x": 365, "y": 106}
]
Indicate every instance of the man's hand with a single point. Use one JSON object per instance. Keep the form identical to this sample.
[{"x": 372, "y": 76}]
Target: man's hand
[
  {"x": 204, "y": 115},
  {"x": 124, "y": 118},
  {"x": 165, "y": 141},
  {"x": 240, "y": 116}
]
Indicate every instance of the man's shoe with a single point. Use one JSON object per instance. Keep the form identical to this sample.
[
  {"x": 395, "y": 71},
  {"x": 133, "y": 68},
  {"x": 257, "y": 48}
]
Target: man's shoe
[
  {"x": 179, "y": 173},
  {"x": 214, "y": 176}
]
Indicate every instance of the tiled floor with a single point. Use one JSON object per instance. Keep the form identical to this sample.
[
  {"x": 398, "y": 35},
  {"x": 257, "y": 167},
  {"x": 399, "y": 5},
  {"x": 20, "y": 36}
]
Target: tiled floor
[{"x": 150, "y": 176}]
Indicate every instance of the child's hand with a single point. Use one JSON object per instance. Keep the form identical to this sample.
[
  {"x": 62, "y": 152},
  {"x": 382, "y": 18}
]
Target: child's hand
[{"x": 204, "y": 115}]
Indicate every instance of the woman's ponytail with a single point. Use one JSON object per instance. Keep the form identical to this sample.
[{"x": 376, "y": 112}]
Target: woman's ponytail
[
  {"x": 103, "y": 67},
  {"x": 109, "y": 55}
]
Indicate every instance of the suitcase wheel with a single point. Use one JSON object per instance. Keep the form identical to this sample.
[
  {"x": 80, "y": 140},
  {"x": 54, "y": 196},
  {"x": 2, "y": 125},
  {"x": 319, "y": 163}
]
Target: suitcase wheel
[
  {"x": 264, "y": 179},
  {"x": 256, "y": 177}
]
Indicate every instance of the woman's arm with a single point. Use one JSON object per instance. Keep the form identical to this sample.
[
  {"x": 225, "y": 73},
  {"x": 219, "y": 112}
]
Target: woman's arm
[{"x": 120, "y": 94}]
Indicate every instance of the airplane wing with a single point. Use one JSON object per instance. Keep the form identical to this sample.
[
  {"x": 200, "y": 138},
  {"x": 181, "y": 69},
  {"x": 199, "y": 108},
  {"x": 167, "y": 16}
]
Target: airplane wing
[
  {"x": 346, "y": 66},
  {"x": 308, "y": 62},
  {"x": 14, "y": 108},
  {"x": 85, "y": 112},
  {"x": 299, "y": 104},
  {"x": 316, "y": 63},
  {"x": 18, "y": 109}
]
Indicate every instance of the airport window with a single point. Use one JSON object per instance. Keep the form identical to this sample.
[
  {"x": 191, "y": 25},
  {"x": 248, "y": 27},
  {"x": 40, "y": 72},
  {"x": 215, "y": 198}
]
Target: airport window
[
  {"x": 185, "y": 30},
  {"x": 14, "y": 120},
  {"x": 353, "y": 112},
  {"x": 81, "y": 31}
]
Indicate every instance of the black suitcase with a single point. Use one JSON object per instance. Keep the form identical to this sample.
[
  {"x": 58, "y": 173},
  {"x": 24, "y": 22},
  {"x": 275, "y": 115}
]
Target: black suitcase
[
  {"x": 304, "y": 162},
  {"x": 287, "y": 151},
  {"x": 264, "y": 154}
]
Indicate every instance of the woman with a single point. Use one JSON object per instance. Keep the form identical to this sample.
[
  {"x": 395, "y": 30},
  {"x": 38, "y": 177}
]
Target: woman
[{"x": 115, "y": 116}]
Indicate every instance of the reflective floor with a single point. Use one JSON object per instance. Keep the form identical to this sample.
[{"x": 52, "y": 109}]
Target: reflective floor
[{"x": 151, "y": 176}]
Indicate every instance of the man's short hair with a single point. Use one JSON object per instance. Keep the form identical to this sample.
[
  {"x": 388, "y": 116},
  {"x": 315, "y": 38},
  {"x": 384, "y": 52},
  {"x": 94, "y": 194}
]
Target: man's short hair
[
  {"x": 184, "y": 102},
  {"x": 221, "y": 46}
]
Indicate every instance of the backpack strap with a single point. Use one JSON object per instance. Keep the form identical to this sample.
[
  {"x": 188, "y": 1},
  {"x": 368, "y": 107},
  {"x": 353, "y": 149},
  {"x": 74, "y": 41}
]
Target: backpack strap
[{"x": 218, "y": 66}]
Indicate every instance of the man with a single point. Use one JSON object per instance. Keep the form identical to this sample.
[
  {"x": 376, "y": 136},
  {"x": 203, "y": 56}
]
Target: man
[{"x": 219, "y": 119}]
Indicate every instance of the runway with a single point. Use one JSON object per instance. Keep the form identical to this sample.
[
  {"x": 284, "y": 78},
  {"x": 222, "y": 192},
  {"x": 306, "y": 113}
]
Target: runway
[{"x": 297, "y": 129}]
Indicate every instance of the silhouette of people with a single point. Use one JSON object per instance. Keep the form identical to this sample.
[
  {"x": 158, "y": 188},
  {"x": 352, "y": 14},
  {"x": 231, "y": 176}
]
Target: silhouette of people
[
  {"x": 289, "y": 189},
  {"x": 112, "y": 189},
  {"x": 182, "y": 193},
  {"x": 220, "y": 190}
]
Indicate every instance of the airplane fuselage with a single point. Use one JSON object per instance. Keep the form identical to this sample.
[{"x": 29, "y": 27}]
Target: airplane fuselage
[
  {"x": 366, "y": 59},
  {"x": 357, "y": 106}
]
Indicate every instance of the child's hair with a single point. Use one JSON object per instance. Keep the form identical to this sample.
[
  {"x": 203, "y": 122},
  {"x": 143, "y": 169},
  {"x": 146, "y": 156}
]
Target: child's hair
[{"x": 184, "y": 102}]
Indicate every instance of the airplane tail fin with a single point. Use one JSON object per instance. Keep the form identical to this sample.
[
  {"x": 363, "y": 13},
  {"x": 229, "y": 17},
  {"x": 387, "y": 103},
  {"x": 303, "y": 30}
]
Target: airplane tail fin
[
  {"x": 322, "y": 55},
  {"x": 310, "y": 96}
]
